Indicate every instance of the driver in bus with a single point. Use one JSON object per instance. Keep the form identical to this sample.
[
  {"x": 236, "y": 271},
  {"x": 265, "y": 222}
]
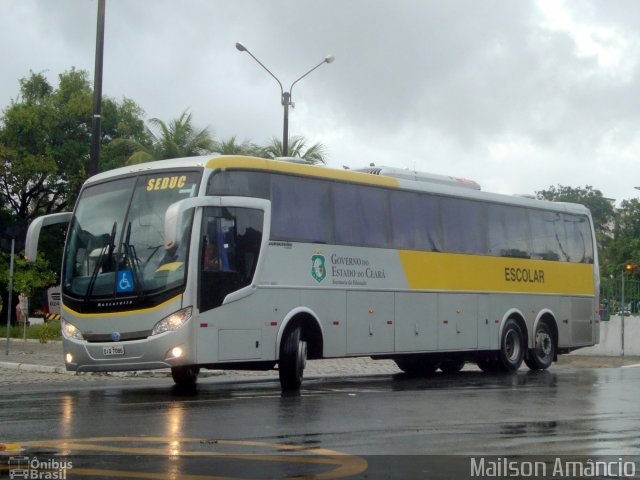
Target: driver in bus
[{"x": 211, "y": 257}]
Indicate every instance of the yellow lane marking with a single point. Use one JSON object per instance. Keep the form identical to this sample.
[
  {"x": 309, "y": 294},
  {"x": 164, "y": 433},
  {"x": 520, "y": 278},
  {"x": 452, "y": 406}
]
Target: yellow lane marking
[
  {"x": 9, "y": 447},
  {"x": 346, "y": 464}
]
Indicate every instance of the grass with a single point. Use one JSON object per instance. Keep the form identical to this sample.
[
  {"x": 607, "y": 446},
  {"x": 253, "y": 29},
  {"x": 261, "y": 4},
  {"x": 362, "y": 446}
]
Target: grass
[{"x": 43, "y": 332}]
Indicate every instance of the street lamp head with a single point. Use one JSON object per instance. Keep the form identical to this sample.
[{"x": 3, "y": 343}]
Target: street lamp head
[
  {"x": 241, "y": 47},
  {"x": 329, "y": 59}
]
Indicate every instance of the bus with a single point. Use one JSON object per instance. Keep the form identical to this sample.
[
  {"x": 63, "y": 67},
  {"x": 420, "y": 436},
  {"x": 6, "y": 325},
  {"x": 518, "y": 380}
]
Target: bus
[{"x": 232, "y": 262}]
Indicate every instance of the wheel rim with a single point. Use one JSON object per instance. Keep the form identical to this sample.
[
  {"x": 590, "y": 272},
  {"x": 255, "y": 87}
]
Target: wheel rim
[
  {"x": 544, "y": 344},
  {"x": 512, "y": 346}
]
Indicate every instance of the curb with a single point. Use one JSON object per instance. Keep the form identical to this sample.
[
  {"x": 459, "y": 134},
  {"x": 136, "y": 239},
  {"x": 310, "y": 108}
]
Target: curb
[
  {"x": 29, "y": 367},
  {"x": 33, "y": 368}
]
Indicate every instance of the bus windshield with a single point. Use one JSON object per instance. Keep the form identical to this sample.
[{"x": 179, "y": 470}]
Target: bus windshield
[{"x": 115, "y": 246}]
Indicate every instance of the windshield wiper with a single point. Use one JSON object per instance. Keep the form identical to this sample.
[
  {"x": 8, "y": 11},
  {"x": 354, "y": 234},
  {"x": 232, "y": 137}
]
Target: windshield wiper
[
  {"x": 131, "y": 257},
  {"x": 94, "y": 274}
]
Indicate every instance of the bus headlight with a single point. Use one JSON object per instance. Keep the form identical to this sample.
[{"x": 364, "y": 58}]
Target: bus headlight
[
  {"x": 172, "y": 322},
  {"x": 70, "y": 331}
]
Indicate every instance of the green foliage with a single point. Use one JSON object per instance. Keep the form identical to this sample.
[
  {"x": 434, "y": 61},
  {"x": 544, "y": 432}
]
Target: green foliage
[
  {"x": 624, "y": 246},
  {"x": 43, "y": 332},
  {"x": 177, "y": 139},
  {"x": 27, "y": 277},
  {"x": 45, "y": 135},
  {"x": 316, "y": 153},
  {"x": 232, "y": 147}
]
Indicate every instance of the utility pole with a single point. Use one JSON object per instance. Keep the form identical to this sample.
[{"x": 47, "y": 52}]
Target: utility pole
[
  {"x": 9, "y": 306},
  {"x": 97, "y": 93}
]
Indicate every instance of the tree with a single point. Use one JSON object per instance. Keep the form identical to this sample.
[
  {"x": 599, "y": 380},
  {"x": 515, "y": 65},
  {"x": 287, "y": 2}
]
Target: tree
[
  {"x": 28, "y": 277},
  {"x": 45, "y": 138},
  {"x": 316, "y": 153},
  {"x": 624, "y": 246},
  {"x": 177, "y": 139},
  {"x": 232, "y": 147}
]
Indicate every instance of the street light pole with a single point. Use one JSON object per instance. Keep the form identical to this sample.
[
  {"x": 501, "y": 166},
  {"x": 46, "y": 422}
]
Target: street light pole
[
  {"x": 285, "y": 96},
  {"x": 622, "y": 318},
  {"x": 97, "y": 93}
]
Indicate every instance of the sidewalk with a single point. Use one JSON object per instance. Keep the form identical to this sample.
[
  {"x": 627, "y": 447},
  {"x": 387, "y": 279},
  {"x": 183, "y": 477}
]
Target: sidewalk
[{"x": 33, "y": 356}]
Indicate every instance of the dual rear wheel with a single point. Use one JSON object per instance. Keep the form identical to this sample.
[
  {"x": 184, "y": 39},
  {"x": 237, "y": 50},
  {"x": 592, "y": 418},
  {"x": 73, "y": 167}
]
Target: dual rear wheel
[{"x": 513, "y": 349}]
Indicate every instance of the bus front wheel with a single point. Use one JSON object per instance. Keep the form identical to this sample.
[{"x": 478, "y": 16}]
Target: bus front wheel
[
  {"x": 293, "y": 359},
  {"x": 541, "y": 356},
  {"x": 185, "y": 376}
]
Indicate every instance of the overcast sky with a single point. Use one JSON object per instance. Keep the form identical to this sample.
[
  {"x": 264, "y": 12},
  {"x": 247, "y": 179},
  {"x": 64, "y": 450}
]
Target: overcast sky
[{"x": 517, "y": 95}]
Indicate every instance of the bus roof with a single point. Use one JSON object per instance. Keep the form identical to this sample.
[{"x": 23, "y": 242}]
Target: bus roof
[
  {"x": 224, "y": 162},
  {"x": 186, "y": 162}
]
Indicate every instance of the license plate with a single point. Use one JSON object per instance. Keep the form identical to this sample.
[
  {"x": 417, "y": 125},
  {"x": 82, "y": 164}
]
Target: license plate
[{"x": 113, "y": 350}]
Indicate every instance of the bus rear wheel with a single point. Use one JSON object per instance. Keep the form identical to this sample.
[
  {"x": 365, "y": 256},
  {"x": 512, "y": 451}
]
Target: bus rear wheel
[
  {"x": 185, "y": 376},
  {"x": 293, "y": 359},
  {"x": 541, "y": 356},
  {"x": 512, "y": 347}
]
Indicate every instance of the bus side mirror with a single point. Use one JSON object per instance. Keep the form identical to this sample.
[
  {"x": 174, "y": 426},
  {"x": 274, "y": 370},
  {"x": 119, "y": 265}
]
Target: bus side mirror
[
  {"x": 33, "y": 233},
  {"x": 175, "y": 215}
]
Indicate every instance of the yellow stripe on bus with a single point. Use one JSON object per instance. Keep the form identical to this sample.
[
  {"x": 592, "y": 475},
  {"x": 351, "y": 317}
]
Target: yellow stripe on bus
[
  {"x": 477, "y": 273},
  {"x": 252, "y": 163},
  {"x": 117, "y": 314}
]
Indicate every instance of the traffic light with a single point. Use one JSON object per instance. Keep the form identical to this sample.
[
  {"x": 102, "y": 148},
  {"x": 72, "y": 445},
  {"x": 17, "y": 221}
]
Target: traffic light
[{"x": 631, "y": 267}]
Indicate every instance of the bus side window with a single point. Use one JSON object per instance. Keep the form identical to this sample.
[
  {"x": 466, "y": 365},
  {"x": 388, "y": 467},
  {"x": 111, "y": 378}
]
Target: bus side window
[
  {"x": 464, "y": 225},
  {"x": 230, "y": 246}
]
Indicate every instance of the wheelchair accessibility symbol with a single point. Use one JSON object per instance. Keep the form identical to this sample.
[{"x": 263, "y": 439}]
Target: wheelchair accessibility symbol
[{"x": 125, "y": 281}]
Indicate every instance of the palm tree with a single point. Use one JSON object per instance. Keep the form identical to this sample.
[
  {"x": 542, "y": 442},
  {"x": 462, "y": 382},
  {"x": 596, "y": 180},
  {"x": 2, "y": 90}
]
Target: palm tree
[
  {"x": 316, "y": 153},
  {"x": 232, "y": 147},
  {"x": 175, "y": 140}
]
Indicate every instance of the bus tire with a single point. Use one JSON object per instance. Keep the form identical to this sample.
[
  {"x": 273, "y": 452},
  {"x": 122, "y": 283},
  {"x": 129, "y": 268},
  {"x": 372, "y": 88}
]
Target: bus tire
[
  {"x": 185, "y": 376},
  {"x": 541, "y": 356},
  {"x": 512, "y": 347},
  {"x": 293, "y": 359},
  {"x": 452, "y": 365}
]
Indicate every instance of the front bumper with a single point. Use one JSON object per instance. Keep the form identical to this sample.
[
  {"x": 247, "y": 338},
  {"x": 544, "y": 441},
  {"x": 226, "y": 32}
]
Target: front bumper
[{"x": 145, "y": 354}]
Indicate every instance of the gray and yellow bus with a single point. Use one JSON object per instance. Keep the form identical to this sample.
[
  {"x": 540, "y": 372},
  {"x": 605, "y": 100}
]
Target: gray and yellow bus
[{"x": 232, "y": 262}]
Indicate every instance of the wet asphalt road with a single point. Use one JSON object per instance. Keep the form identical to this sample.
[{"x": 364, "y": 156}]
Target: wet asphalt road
[{"x": 222, "y": 429}]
